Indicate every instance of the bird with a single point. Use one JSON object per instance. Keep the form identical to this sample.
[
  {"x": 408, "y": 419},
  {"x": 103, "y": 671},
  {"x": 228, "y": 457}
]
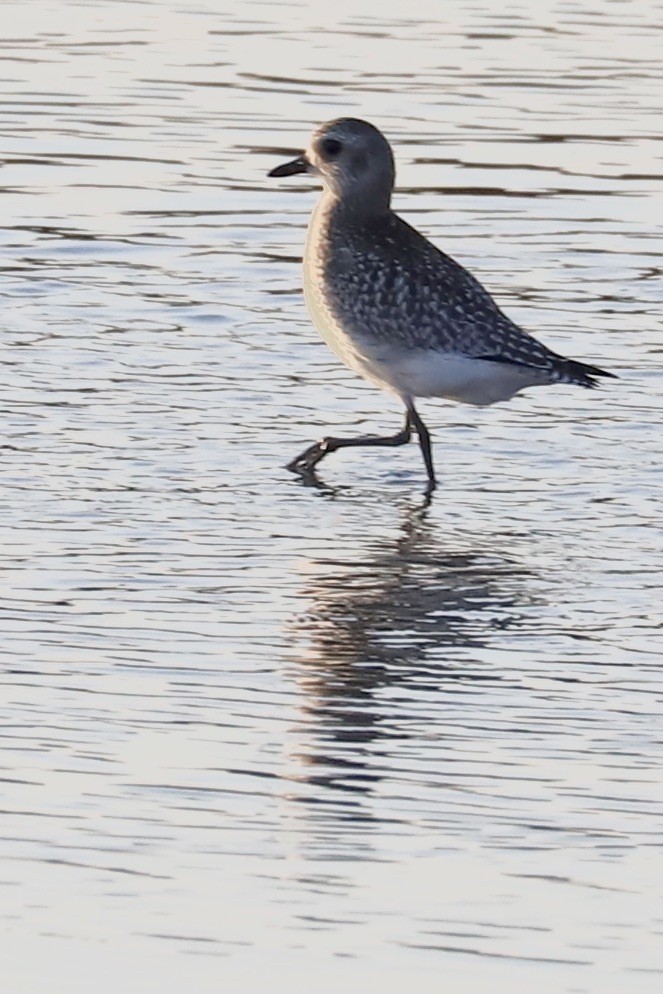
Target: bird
[{"x": 395, "y": 308}]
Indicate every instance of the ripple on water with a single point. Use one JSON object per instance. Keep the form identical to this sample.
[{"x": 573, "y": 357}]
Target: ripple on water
[{"x": 248, "y": 721}]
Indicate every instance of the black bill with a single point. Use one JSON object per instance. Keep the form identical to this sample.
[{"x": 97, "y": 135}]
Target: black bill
[{"x": 298, "y": 165}]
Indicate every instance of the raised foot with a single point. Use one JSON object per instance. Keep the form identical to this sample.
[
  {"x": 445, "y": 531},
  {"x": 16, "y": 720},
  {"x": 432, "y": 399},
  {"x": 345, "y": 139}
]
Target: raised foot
[{"x": 307, "y": 460}]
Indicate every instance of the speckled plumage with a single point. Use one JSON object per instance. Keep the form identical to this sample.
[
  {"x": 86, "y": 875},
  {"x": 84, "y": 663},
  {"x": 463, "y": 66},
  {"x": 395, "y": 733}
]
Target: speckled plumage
[
  {"x": 392, "y": 305},
  {"x": 393, "y": 291}
]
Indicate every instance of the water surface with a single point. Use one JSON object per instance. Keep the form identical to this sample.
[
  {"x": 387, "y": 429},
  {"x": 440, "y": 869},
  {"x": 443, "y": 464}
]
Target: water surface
[{"x": 332, "y": 738}]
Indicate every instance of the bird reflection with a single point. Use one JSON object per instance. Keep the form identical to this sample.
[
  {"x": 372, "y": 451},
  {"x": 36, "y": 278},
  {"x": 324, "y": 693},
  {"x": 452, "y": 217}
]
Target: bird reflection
[{"x": 412, "y": 611}]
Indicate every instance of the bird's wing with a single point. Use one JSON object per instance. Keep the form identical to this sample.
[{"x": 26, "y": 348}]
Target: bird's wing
[{"x": 456, "y": 313}]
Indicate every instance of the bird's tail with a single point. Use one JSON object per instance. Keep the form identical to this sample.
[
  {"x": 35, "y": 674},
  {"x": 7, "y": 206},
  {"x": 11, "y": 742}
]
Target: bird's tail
[{"x": 579, "y": 373}]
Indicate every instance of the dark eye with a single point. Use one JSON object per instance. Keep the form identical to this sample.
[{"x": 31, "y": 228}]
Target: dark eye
[{"x": 330, "y": 147}]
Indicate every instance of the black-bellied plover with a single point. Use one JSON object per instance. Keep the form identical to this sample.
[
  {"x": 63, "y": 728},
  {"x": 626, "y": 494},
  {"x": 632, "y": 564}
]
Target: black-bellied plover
[{"x": 394, "y": 307}]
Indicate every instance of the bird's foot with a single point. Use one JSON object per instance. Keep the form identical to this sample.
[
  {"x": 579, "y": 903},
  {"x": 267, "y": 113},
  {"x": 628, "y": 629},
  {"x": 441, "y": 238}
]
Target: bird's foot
[
  {"x": 430, "y": 489},
  {"x": 306, "y": 461}
]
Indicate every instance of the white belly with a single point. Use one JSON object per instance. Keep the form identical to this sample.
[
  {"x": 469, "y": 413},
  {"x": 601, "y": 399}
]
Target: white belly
[{"x": 457, "y": 377}]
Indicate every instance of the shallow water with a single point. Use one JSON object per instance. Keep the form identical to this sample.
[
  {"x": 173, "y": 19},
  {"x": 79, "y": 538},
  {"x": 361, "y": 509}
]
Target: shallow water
[{"x": 256, "y": 732}]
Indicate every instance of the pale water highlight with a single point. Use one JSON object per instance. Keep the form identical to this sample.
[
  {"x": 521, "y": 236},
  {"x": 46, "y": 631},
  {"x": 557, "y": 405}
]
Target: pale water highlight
[{"x": 257, "y": 733}]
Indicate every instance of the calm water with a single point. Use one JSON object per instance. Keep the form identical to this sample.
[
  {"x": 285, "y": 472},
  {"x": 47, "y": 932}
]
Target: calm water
[{"x": 257, "y": 735}]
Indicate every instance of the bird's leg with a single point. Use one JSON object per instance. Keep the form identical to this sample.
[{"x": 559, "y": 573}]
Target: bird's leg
[
  {"x": 309, "y": 458},
  {"x": 415, "y": 422}
]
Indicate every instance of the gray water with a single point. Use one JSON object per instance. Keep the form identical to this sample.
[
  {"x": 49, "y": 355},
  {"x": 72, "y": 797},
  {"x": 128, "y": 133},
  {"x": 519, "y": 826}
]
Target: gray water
[{"x": 258, "y": 735}]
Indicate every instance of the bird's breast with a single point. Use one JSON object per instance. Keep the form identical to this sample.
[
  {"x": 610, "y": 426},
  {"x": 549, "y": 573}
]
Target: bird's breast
[{"x": 328, "y": 268}]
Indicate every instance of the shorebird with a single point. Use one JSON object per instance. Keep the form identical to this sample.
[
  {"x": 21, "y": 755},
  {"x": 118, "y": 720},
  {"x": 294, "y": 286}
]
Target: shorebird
[{"x": 395, "y": 308}]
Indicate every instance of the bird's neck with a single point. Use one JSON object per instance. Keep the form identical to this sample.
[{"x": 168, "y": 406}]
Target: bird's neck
[{"x": 364, "y": 205}]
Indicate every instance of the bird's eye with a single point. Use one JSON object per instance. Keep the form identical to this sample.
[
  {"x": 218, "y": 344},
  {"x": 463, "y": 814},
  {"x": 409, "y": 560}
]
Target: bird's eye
[{"x": 330, "y": 148}]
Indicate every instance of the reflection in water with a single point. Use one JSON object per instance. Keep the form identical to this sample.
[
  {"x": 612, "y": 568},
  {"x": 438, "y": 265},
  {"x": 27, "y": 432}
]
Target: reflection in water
[
  {"x": 387, "y": 619},
  {"x": 159, "y": 819}
]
